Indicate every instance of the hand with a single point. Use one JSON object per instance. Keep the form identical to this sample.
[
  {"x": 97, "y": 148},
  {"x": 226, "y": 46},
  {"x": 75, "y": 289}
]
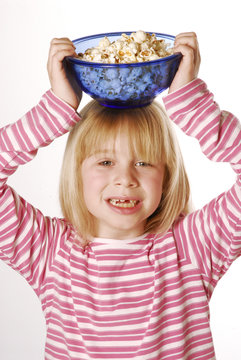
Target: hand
[
  {"x": 187, "y": 44},
  {"x": 59, "y": 49}
]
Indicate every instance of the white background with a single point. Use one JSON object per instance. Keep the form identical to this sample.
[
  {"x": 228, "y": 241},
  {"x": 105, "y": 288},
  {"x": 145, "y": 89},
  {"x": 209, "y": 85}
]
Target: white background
[{"x": 26, "y": 28}]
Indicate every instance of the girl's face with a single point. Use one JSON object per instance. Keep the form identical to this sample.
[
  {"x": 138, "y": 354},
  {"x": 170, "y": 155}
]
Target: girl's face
[{"x": 120, "y": 190}]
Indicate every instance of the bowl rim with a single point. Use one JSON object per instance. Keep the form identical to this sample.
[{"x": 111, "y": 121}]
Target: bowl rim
[{"x": 122, "y": 65}]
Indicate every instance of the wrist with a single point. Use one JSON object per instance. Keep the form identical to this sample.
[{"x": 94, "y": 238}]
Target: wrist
[{"x": 73, "y": 100}]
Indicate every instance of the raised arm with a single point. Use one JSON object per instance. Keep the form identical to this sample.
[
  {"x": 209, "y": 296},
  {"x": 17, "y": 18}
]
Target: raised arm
[
  {"x": 209, "y": 238},
  {"x": 27, "y": 238}
]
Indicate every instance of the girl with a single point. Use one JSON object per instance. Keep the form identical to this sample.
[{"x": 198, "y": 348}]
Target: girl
[{"x": 129, "y": 272}]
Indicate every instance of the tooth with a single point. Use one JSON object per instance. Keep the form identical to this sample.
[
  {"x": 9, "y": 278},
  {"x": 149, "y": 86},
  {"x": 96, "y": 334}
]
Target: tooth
[{"x": 123, "y": 203}]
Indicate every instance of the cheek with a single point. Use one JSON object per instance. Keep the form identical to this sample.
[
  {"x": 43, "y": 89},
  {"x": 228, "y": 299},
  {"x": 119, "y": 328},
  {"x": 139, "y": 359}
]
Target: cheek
[
  {"x": 89, "y": 192},
  {"x": 87, "y": 174},
  {"x": 92, "y": 181},
  {"x": 155, "y": 181},
  {"x": 86, "y": 180},
  {"x": 154, "y": 184}
]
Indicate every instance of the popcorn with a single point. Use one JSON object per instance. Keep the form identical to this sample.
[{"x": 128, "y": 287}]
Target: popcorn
[{"x": 138, "y": 47}]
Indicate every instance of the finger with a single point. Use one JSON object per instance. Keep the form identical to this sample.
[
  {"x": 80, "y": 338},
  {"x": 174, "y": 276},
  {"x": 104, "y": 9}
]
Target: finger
[
  {"x": 191, "y": 58},
  {"x": 186, "y": 50},
  {"x": 61, "y": 40},
  {"x": 57, "y": 55},
  {"x": 186, "y": 34},
  {"x": 61, "y": 47},
  {"x": 187, "y": 40},
  {"x": 60, "y": 44}
]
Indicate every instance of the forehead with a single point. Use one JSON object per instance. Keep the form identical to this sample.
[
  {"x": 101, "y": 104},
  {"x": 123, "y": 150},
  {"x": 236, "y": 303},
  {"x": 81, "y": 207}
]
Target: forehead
[
  {"x": 115, "y": 143},
  {"x": 140, "y": 135}
]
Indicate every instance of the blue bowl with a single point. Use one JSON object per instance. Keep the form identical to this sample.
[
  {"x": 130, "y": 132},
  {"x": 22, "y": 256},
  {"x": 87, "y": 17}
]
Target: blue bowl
[{"x": 121, "y": 85}]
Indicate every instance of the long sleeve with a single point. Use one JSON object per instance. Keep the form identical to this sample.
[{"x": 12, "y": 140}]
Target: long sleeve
[
  {"x": 211, "y": 237},
  {"x": 28, "y": 239}
]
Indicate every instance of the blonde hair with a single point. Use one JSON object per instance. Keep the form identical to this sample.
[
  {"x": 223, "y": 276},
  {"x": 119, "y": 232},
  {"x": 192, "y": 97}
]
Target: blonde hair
[{"x": 150, "y": 136}]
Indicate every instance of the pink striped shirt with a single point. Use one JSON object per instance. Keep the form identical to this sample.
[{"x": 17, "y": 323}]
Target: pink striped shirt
[{"x": 142, "y": 298}]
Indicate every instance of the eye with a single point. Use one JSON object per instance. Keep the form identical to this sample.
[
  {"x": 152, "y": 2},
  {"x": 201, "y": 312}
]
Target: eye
[
  {"x": 105, "y": 163},
  {"x": 142, "y": 163}
]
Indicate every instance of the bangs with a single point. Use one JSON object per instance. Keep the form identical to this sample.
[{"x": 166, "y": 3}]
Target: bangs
[{"x": 103, "y": 125}]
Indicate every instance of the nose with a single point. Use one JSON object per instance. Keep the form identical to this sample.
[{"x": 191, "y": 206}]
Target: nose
[{"x": 126, "y": 177}]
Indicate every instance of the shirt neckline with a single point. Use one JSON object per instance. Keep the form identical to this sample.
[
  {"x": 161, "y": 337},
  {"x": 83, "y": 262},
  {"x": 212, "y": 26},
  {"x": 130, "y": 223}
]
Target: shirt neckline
[{"x": 118, "y": 242}]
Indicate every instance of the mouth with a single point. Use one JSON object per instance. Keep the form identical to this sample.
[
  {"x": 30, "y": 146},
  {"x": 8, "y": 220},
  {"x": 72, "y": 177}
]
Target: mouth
[{"x": 123, "y": 203}]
